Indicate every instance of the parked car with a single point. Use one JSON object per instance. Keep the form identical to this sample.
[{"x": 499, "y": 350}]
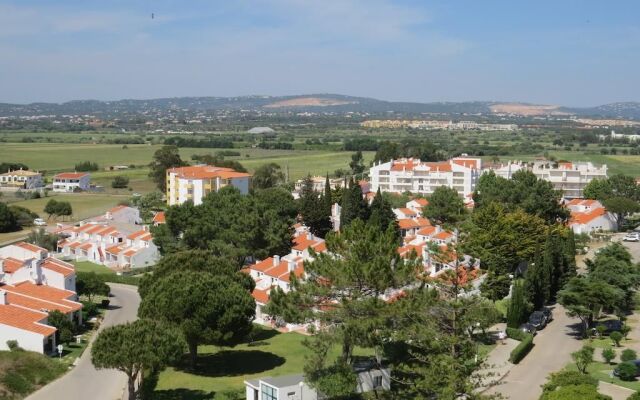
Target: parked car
[
  {"x": 547, "y": 313},
  {"x": 632, "y": 237},
  {"x": 538, "y": 319},
  {"x": 39, "y": 222},
  {"x": 528, "y": 328},
  {"x": 610, "y": 325},
  {"x": 616, "y": 372}
]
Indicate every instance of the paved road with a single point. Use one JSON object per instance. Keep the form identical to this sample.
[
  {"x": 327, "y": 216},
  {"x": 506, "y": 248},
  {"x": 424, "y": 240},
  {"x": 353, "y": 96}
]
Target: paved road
[
  {"x": 552, "y": 351},
  {"x": 84, "y": 381}
]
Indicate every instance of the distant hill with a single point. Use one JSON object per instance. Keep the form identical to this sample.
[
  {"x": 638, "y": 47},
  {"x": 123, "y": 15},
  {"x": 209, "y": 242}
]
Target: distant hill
[{"x": 312, "y": 102}]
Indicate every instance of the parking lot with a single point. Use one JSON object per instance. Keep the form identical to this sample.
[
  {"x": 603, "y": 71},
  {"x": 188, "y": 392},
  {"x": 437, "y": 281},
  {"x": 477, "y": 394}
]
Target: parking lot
[{"x": 634, "y": 247}]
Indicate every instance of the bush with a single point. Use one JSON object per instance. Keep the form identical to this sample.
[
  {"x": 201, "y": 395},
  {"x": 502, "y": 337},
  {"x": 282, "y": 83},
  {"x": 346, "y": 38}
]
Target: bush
[
  {"x": 568, "y": 378},
  {"x": 628, "y": 355},
  {"x": 635, "y": 396},
  {"x": 13, "y": 345},
  {"x": 616, "y": 337},
  {"x": 522, "y": 349},
  {"x": 17, "y": 383},
  {"x": 627, "y": 371},
  {"x": 516, "y": 334},
  {"x": 608, "y": 354},
  {"x": 120, "y": 182},
  {"x": 87, "y": 166},
  {"x": 574, "y": 392}
]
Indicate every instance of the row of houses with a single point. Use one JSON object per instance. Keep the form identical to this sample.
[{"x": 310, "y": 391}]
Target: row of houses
[
  {"x": 462, "y": 174},
  {"x": 33, "y": 284},
  {"x": 66, "y": 182}
]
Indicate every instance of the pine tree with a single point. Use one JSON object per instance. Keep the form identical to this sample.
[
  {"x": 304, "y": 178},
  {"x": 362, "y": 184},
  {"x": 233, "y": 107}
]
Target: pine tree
[
  {"x": 517, "y": 311},
  {"x": 570, "y": 258},
  {"x": 537, "y": 282},
  {"x": 381, "y": 214},
  {"x": 313, "y": 209},
  {"x": 353, "y": 205}
]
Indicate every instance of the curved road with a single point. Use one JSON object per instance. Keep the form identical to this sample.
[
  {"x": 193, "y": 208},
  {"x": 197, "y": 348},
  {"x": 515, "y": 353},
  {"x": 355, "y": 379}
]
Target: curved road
[{"x": 84, "y": 381}]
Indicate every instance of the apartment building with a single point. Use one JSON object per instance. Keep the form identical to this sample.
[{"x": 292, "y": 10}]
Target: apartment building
[
  {"x": 569, "y": 177},
  {"x": 21, "y": 179},
  {"x": 32, "y": 284},
  {"x": 195, "y": 182},
  {"x": 68, "y": 182},
  {"x": 415, "y": 176}
]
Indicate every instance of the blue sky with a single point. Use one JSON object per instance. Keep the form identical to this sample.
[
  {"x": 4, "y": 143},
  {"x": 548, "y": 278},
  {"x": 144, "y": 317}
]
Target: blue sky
[{"x": 567, "y": 52}]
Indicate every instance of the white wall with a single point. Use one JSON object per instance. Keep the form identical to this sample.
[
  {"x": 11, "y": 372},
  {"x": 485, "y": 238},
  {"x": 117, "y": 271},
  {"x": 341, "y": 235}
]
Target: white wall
[{"x": 27, "y": 340}]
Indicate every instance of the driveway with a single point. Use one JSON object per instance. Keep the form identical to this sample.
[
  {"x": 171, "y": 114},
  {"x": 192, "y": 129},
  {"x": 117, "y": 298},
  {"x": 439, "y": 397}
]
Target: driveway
[
  {"x": 552, "y": 351},
  {"x": 84, "y": 381}
]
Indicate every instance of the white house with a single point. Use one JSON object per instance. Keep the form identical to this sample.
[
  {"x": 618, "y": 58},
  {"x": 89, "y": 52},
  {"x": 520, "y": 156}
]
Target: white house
[
  {"x": 588, "y": 216},
  {"x": 68, "y": 182},
  {"x": 21, "y": 179},
  {"x": 123, "y": 214}
]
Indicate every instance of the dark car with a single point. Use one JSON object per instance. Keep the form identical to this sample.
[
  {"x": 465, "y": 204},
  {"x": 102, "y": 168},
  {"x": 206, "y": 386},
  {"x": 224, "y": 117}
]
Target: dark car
[
  {"x": 547, "y": 313},
  {"x": 528, "y": 328},
  {"x": 610, "y": 325},
  {"x": 538, "y": 319},
  {"x": 616, "y": 372}
]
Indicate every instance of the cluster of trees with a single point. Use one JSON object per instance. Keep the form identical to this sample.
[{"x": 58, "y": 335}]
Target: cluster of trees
[
  {"x": 87, "y": 166},
  {"x": 178, "y": 141},
  {"x": 218, "y": 160},
  {"x": 609, "y": 286},
  {"x": 13, "y": 218},
  {"x": 347, "y": 288},
  {"x": 231, "y": 225},
  {"x": 619, "y": 194},
  {"x": 422, "y": 149},
  {"x": 164, "y": 158},
  {"x": 57, "y": 208},
  {"x": 120, "y": 182},
  {"x": 147, "y": 204},
  {"x": 11, "y": 166},
  {"x": 275, "y": 145},
  {"x": 569, "y": 385}
]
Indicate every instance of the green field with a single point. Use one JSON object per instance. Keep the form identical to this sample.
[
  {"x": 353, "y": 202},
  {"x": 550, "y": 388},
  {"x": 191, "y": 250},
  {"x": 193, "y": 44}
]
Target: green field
[
  {"x": 84, "y": 205},
  {"x": 87, "y": 266},
  {"x": 54, "y": 157},
  {"x": 225, "y": 369}
]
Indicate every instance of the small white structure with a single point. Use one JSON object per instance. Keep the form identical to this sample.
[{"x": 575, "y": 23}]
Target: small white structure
[
  {"x": 123, "y": 214},
  {"x": 589, "y": 216},
  {"x": 370, "y": 377},
  {"x": 261, "y": 130},
  {"x": 21, "y": 179},
  {"x": 67, "y": 182}
]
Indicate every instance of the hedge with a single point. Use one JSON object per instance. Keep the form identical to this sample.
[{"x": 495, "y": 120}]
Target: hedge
[
  {"x": 522, "y": 349},
  {"x": 516, "y": 334}
]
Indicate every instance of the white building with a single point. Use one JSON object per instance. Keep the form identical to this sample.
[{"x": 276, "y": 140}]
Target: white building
[
  {"x": 194, "y": 183},
  {"x": 31, "y": 285},
  {"x": 569, "y": 177},
  {"x": 319, "y": 183},
  {"x": 67, "y": 182},
  {"x": 589, "y": 216},
  {"x": 123, "y": 214},
  {"x": 415, "y": 176},
  {"x": 21, "y": 179}
]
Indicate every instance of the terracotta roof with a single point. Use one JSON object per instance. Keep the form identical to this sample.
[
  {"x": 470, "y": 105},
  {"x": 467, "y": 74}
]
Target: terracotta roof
[
  {"x": 86, "y": 246},
  {"x": 407, "y": 212},
  {"x": 116, "y": 249},
  {"x": 117, "y": 208},
  {"x": 131, "y": 252},
  {"x": 586, "y": 217},
  {"x": 159, "y": 218},
  {"x": 467, "y": 162},
  {"x": 406, "y": 223},
  {"x": 30, "y": 247},
  {"x": 70, "y": 175},
  {"x": 427, "y": 231},
  {"x": 40, "y": 291},
  {"x": 261, "y": 296},
  {"x": 443, "y": 235},
  {"x": 36, "y": 304},
  {"x": 24, "y": 319},
  {"x": 60, "y": 267},
  {"x": 442, "y": 166},
  {"x": 206, "y": 172},
  {"x": 421, "y": 201},
  {"x": 422, "y": 222},
  {"x": 141, "y": 234},
  {"x": 263, "y": 265},
  {"x": 302, "y": 242},
  {"x": 11, "y": 265}
]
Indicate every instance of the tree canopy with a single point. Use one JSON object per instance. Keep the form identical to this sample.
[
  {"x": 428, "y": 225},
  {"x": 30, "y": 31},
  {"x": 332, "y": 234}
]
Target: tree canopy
[
  {"x": 445, "y": 206},
  {"x": 164, "y": 158},
  {"x": 267, "y": 176}
]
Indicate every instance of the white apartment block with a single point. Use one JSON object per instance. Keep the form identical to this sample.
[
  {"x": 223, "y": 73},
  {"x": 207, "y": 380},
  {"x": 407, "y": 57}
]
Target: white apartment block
[
  {"x": 21, "y": 179},
  {"x": 415, "y": 176},
  {"x": 569, "y": 177},
  {"x": 67, "y": 182},
  {"x": 196, "y": 182}
]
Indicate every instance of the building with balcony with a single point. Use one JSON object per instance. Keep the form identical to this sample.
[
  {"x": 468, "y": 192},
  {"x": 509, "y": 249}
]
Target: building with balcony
[
  {"x": 415, "y": 176},
  {"x": 195, "y": 182},
  {"x": 68, "y": 182}
]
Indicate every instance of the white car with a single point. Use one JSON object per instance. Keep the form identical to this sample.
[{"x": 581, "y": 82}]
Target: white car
[
  {"x": 39, "y": 222},
  {"x": 632, "y": 237}
]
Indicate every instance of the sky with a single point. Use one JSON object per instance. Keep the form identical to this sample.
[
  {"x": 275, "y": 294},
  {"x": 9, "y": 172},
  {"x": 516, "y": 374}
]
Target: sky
[{"x": 565, "y": 52}]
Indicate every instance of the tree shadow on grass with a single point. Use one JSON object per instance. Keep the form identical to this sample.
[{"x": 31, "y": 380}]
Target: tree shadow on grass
[
  {"x": 182, "y": 394},
  {"x": 235, "y": 362}
]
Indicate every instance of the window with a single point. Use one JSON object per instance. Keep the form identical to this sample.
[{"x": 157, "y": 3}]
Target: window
[
  {"x": 377, "y": 381},
  {"x": 269, "y": 393}
]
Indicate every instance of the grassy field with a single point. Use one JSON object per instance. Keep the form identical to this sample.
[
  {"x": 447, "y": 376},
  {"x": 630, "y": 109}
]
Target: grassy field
[
  {"x": 84, "y": 205},
  {"x": 87, "y": 266},
  {"x": 24, "y": 372},
  {"x": 225, "y": 369},
  {"x": 12, "y": 236}
]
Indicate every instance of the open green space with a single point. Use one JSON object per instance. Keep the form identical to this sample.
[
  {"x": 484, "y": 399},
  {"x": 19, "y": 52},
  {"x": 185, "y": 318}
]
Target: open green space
[
  {"x": 23, "y": 372},
  {"x": 223, "y": 369},
  {"x": 84, "y": 205},
  {"x": 603, "y": 371},
  {"x": 617, "y": 164},
  {"x": 87, "y": 266},
  {"x": 13, "y": 236}
]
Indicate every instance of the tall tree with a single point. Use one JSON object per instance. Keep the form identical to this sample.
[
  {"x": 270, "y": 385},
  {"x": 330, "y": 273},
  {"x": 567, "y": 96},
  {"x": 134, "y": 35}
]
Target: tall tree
[
  {"x": 137, "y": 347},
  {"x": 312, "y": 208},
  {"x": 207, "y": 308},
  {"x": 267, "y": 176},
  {"x": 381, "y": 213},
  {"x": 90, "y": 284},
  {"x": 8, "y": 221},
  {"x": 357, "y": 163},
  {"x": 538, "y": 282},
  {"x": 164, "y": 158},
  {"x": 518, "y": 307},
  {"x": 353, "y": 206},
  {"x": 445, "y": 206},
  {"x": 621, "y": 207}
]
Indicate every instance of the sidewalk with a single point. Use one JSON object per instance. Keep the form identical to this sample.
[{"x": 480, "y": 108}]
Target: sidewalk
[
  {"x": 497, "y": 364},
  {"x": 616, "y": 392}
]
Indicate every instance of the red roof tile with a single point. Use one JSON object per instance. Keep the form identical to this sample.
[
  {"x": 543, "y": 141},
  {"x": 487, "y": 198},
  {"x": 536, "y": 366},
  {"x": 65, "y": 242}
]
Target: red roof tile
[
  {"x": 24, "y": 319},
  {"x": 70, "y": 175}
]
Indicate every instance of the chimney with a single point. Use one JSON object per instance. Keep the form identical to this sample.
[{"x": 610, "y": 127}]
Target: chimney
[
  {"x": 276, "y": 261},
  {"x": 309, "y": 236},
  {"x": 3, "y": 298},
  {"x": 291, "y": 265},
  {"x": 1, "y": 266}
]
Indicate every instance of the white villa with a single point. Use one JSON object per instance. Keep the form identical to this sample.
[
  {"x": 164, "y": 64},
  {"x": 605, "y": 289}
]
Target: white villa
[
  {"x": 588, "y": 216},
  {"x": 67, "y": 182},
  {"x": 21, "y": 179},
  {"x": 31, "y": 285}
]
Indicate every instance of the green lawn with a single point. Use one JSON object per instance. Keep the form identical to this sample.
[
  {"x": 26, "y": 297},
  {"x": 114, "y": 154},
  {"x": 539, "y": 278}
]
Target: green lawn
[
  {"x": 225, "y": 369},
  {"x": 13, "y": 236},
  {"x": 87, "y": 266},
  {"x": 84, "y": 205},
  {"x": 24, "y": 372},
  {"x": 603, "y": 372}
]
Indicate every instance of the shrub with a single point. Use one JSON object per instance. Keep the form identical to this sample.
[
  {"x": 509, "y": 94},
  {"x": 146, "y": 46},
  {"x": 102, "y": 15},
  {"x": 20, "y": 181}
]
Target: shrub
[
  {"x": 627, "y": 371},
  {"x": 516, "y": 334},
  {"x": 120, "y": 182},
  {"x": 625, "y": 330},
  {"x": 628, "y": 355},
  {"x": 17, "y": 383},
  {"x": 568, "y": 378},
  {"x": 608, "y": 354},
  {"x": 635, "y": 396},
  {"x": 583, "y": 358},
  {"x": 522, "y": 349},
  {"x": 574, "y": 392},
  {"x": 616, "y": 337},
  {"x": 13, "y": 345},
  {"x": 86, "y": 166}
]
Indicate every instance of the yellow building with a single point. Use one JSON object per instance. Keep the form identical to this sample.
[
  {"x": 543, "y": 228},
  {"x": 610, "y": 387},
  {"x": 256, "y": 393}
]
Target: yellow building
[
  {"x": 21, "y": 179},
  {"x": 194, "y": 183}
]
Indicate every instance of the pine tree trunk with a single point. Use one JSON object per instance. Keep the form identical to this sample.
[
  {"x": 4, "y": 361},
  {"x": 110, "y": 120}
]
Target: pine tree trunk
[
  {"x": 132, "y": 387},
  {"x": 193, "y": 353}
]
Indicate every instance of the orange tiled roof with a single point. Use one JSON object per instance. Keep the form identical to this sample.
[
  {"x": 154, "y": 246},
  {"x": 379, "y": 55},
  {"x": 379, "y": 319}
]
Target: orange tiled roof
[
  {"x": 421, "y": 201},
  {"x": 159, "y": 218},
  {"x": 70, "y": 175},
  {"x": 302, "y": 242},
  {"x": 406, "y": 223},
  {"x": 427, "y": 231},
  {"x": 443, "y": 235},
  {"x": 11, "y": 265},
  {"x": 40, "y": 291},
  {"x": 261, "y": 296},
  {"x": 586, "y": 217},
  {"x": 60, "y": 267},
  {"x": 421, "y": 221},
  {"x": 37, "y": 304},
  {"x": 24, "y": 319},
  {"x": 206, "y": 172},
  {"x": 467, "y": 162},
  {"x": 115, "y": 249},
  {"x": 30, "y": 247},
  {"x": 407, "y": 211}
]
